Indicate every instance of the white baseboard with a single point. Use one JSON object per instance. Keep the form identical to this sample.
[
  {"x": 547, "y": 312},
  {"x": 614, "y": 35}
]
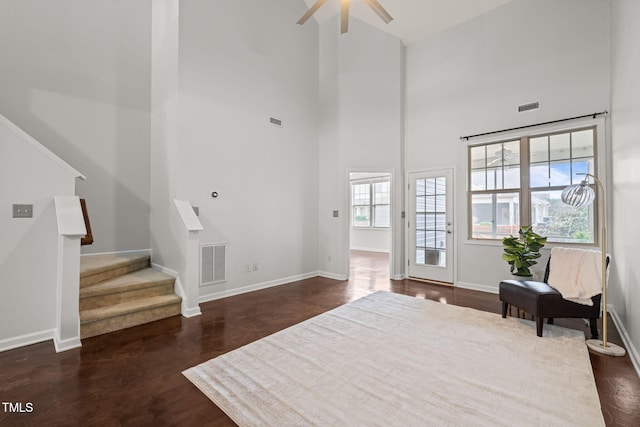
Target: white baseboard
[
  {"x": 333, "y": 276},
  {"x": 378, "y": 250},
  {"x": 626, "y": 339},
  {"x": 190, "y": 312},
  {"x": 399, "y": 277},
  {"x": 27, "y": 339},
  {"x": 67, "y": 344},
  {"x": 477, "y": 287},
  {"x": 164, "y": 270},
  {"x": 131, "y": 252},
  {"x": 256, "y": 287},
  {"x": 179, "y": 290}
]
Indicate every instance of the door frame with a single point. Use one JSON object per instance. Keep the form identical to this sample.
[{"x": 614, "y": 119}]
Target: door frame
[
  {"x": 393, "y": 203},
  {"x": 454, "y": 220}
]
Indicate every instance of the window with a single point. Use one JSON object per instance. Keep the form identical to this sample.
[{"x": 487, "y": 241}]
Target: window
[
  {"x": 361, "y": 204},
  {"x": 519, "y": 181},
  {"x": 370, "y": 204},
  {"x": 431, "y": 218}
]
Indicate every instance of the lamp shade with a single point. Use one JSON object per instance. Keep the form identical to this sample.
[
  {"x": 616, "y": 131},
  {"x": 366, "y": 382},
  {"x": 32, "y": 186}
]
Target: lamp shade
[{"x": 578, "y": 195}]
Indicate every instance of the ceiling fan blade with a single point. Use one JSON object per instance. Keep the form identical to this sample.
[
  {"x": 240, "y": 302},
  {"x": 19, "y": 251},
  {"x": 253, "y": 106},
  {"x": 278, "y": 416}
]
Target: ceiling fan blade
[
  {"x": 310, "y": 12},
  {"x": 379, "y": 10},
  {"x": 344, "y": 17},
  {"x": 496, "y": 161}
]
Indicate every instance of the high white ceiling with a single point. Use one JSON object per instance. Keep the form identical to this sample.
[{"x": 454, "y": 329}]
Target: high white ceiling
[{"x": 413, "y": 20}]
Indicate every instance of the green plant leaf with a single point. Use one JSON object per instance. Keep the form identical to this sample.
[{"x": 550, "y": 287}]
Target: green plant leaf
[{"x": 521, "y": 252}]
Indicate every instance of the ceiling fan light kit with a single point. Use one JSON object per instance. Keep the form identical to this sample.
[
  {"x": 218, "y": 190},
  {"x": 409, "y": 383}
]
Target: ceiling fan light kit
[{"x": 344, "y": 13}]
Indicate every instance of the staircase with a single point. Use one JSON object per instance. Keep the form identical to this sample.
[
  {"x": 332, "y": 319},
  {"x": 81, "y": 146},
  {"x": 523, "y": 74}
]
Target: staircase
[{"x": 120, "y": 291}]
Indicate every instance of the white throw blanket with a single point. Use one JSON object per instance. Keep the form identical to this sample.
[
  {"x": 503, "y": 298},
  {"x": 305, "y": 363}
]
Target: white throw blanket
[{"x": 576, "y": 274}]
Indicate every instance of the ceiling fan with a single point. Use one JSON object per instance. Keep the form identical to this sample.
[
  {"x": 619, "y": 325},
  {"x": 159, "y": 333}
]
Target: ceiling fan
[
  {"x": 344, "y": 13},
  {"x": 502, "y": 155}
]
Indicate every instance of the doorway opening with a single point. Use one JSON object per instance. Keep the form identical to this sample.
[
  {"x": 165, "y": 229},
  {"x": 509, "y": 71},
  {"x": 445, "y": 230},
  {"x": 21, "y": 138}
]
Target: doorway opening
[{"x": 370, "y": 226}]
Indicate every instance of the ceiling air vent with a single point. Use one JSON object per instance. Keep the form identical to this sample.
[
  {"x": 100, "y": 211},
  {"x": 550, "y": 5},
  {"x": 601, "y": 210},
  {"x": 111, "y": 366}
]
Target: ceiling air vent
[
  {"x": 528, "y": 107},
  {"x": 275, "y": 122}
]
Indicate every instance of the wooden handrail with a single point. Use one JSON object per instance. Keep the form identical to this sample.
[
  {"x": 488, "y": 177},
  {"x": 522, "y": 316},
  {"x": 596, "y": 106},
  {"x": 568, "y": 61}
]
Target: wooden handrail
[{"x": 88, "y": 238}]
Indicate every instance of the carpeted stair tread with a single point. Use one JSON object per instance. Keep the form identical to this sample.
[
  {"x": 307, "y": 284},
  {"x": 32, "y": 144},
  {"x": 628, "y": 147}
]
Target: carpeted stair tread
[
  {"x": 94, "y": 264},
  {"x": 98, "y": 268},
  {"x": 103, "y": 326},
  {"x": 129, "y": 307},
  {"x": 118, "y": 291},
  {"x": 133, "y": 281}
]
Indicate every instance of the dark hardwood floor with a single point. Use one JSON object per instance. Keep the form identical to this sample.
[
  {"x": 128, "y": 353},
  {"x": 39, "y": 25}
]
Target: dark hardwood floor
[{"x": 133, "y": 377}]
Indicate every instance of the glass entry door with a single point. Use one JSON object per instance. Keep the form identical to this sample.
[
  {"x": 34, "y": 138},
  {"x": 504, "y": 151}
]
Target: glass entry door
[{"x": 431, "y": 226}]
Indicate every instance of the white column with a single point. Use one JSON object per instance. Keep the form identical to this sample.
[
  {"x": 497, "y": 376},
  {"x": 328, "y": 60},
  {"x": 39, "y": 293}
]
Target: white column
[
  {"x": 189, "y": 274},
  {"x": 71, "y": 229}
]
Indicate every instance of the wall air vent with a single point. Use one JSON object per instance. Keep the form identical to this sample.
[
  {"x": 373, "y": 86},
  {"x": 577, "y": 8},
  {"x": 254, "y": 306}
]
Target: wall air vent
[
  {"x": 213, "y": 264},
  {"x": 528, "y": 107},
  {"x": 275, "y": 122}
]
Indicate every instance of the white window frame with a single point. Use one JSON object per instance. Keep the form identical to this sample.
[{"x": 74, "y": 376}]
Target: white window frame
[
  {"x": 599, "y": 161},
  {"x": 372, "y": 203}
]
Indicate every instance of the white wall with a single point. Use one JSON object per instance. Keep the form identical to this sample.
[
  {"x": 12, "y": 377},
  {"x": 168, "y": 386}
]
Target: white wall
[
  {"x": 471, "y": 78},
  {"x": 29, "y": 249},
  {"x": 239, "y": 64},
  {"x": 361, "y": 119},
  {"x": 370, "y": 239},
  {"x": 76, "y": 76},
  {"x": 164, "y": 222},
  {"x": 624, "y": 290}
]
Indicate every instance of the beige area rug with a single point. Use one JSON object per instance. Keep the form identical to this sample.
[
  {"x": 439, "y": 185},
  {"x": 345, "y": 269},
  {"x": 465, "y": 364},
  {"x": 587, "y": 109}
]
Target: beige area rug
[{"x": 394, "y": 360}]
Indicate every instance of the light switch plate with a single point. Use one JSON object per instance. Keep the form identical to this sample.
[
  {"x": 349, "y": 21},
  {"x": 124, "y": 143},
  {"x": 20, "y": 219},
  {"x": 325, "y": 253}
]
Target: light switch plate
[{"x": 23, "y": 211}]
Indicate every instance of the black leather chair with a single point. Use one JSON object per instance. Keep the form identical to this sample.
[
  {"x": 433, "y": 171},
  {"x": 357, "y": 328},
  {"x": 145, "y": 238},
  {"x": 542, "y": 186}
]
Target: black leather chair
[{"x": 544, "y": 302}]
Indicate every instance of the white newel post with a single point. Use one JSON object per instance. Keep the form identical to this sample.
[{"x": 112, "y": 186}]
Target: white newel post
[
  {"x": 71, "y": 229},
  {"x": 189, "y": 274}
]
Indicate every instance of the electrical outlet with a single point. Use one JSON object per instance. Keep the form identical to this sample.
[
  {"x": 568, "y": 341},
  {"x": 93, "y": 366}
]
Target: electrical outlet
[
  {"x": 23, "y": 211},
  {"x": 248, "y": 268}
]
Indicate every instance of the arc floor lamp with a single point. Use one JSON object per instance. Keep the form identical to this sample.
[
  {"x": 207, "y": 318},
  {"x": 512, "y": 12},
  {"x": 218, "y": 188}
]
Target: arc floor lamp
[{"x": 579, "y": 195}]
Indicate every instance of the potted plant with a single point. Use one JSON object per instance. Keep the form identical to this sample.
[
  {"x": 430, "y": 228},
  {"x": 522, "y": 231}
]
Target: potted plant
[{"x": 521, "y": 252}]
